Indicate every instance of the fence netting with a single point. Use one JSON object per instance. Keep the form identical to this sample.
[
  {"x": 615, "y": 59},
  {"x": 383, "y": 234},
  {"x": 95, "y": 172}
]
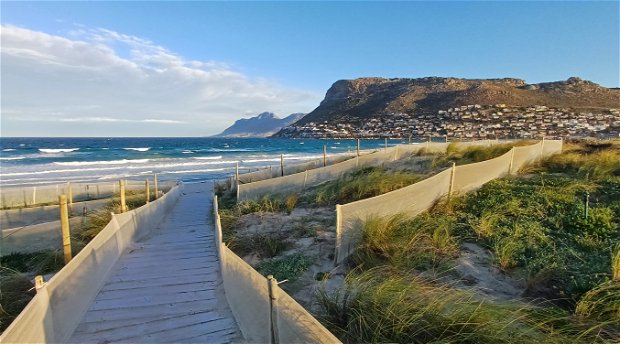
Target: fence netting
[
  {"x": 313, "y": 177},
  {"x": 58, "y": 307},
  {"x": 25, "y": 196},
  {"x": 264, "y": 312},
  {"x": 416, "y": 198}
]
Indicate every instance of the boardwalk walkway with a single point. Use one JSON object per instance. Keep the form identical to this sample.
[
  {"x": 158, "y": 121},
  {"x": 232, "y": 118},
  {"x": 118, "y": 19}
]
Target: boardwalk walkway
[{"x": 167, "y": 288}]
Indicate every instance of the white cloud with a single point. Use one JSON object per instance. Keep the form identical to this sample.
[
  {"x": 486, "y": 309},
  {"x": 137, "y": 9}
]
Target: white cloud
[{"x": 105, "y": 77}]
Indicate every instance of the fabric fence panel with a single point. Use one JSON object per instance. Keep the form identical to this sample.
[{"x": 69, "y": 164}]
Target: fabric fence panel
[
  {"x": 551, "y": 147},
  {"x": 256, "y": 175},
  {"x": 247, "y": 293},
  {"x": 410, "y": 200},
  {"x": 281, "y": 185},
  {"x": 295, "y": 325},
  {"x": 524, "y": 155},
  {"x": 320, "y": 175},
  {"x": 472, "y": 176},
  {"x": 42, "y": 236},
  {"x": 20, "y": 196}
]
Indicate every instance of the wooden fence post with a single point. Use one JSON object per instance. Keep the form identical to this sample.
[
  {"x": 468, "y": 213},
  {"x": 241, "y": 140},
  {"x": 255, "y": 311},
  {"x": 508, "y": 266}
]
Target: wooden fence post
[
  {"x": 273, "y": 297},
  {"x": 38, "y": 282},
  {"x": 155, "y": 185},
  {"x": 147, "y": 190},
  {"x": 385, "y": 144},
  {"x": 324, "y": 155},
  {"x": 64, "y": 225},
  {"x": 282, "y": 165},
  {"x": 512, "y": 159},
  {"x": 305, "y": 178},
  {"x": 452, "y": 173},
  {"x": 237, "y": 172},
  {"x": 121, "y": 184},
  {"x": 70, "y": 192},
  {"x": 34, "y": 195},
  {"x": 358, "y": 147},
  {"x": 337, "y": 248}
]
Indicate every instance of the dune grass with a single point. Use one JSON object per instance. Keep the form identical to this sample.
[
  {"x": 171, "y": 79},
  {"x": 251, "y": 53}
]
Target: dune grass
[{"x": 381, "y": 305}]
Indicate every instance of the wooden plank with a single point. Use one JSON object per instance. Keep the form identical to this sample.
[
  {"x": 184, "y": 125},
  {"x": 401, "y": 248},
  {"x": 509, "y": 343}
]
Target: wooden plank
[
  {"x": 148, "y": 300},
  {"x": 179, "y": 288},
  {"x": 134, "y": 327},
  {"x": 155, "y": 281}
]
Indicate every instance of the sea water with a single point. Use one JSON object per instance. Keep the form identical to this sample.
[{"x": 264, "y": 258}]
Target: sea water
[{"x": 37, "y": 161}]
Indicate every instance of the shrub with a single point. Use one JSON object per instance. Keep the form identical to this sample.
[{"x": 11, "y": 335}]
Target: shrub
[{"x": 285, "y": 268}]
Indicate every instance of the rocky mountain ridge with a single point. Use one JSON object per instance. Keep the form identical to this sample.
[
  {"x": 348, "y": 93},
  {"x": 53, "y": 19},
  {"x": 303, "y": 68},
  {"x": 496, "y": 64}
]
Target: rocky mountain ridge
[{"x": 368, "y": 97}]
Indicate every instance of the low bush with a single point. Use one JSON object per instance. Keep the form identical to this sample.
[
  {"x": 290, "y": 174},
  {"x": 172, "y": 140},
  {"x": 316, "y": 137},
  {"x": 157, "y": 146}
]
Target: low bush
[{"x": 285, "y": 268}]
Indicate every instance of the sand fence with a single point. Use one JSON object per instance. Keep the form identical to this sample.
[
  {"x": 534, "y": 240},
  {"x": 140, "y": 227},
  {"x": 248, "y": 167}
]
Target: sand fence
[{"x": 414, "y": 199}]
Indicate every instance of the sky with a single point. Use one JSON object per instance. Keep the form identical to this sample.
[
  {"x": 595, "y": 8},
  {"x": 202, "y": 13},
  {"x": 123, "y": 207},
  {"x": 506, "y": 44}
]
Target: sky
[{"x": 193, "y": 68}]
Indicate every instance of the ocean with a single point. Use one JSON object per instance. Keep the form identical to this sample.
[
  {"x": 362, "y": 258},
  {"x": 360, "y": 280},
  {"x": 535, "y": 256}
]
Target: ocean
[{"x": 40, "y": 161}]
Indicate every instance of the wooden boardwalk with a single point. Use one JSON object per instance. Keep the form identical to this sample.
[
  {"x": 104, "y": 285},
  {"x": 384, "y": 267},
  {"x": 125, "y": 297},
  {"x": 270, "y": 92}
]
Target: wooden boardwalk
[{"x": 167, "y": 288}]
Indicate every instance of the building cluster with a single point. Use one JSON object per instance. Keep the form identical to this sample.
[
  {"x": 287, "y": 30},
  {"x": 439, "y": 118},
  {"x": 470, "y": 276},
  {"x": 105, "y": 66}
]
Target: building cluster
[{"x": 470, "y": 122}]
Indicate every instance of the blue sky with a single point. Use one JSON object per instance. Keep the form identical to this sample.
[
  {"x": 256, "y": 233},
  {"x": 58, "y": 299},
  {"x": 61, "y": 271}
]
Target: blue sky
[{"x": 275, "y": 56}]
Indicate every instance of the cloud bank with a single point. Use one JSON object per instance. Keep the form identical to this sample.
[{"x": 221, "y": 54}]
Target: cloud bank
[{"x": 101, "y": 82}]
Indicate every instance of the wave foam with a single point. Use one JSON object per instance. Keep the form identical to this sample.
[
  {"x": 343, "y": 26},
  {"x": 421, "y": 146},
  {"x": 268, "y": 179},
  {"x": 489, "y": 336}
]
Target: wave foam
[
  {"x": 57, "y": 150},
  {"x": 104, "y": 162},
  {"x": 13, "y": 158},
  {"x": 208, "y": 157},
  {"x": 8, "y": 149},
  {"x": 138, "y": 149}
]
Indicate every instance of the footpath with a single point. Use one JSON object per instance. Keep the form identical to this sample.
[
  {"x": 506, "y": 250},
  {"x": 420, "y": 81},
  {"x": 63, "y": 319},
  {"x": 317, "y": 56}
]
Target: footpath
[{"x": 167, "y": 287}]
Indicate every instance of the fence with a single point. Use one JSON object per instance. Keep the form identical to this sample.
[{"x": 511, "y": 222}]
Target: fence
[
  {"x": 419, "y": 197},
  {"x": 264, "y": 312},
  {"x": 59, "y": 305},
  {"x": 21, "y": 196},
  {"x": 299, "y": 181},
  {"x": 276, "y": 171}
]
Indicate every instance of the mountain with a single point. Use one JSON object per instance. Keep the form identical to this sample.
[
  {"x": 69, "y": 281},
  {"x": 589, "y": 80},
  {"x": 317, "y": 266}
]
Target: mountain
[
  {"x": 368, "y": 97},
  {"x": 263, "y": 125}
]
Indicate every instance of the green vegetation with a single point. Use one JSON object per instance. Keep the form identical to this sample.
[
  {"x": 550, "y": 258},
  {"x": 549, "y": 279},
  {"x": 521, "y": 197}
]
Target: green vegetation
[
  {"x": 426, "y": 242},
  {"x": 384, "y": 305},
  {"x": 285, "y": 268},
  {"x": 535, "y": 226},
  {"x": 16, "y": 290}
]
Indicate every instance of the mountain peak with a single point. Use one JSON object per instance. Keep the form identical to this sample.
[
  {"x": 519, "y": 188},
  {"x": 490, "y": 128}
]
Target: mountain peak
[
  {"x": 267, "y": 115},
  {"x": 261, "y": 125}
]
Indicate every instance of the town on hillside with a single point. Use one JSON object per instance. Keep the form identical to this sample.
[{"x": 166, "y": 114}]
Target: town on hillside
[{"x": 470, "y": 122}]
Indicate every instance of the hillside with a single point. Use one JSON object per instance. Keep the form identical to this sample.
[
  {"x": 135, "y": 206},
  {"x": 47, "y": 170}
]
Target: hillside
[
  {"x": 368, "y": 97},
  {"x": 263, "y": 125}
]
